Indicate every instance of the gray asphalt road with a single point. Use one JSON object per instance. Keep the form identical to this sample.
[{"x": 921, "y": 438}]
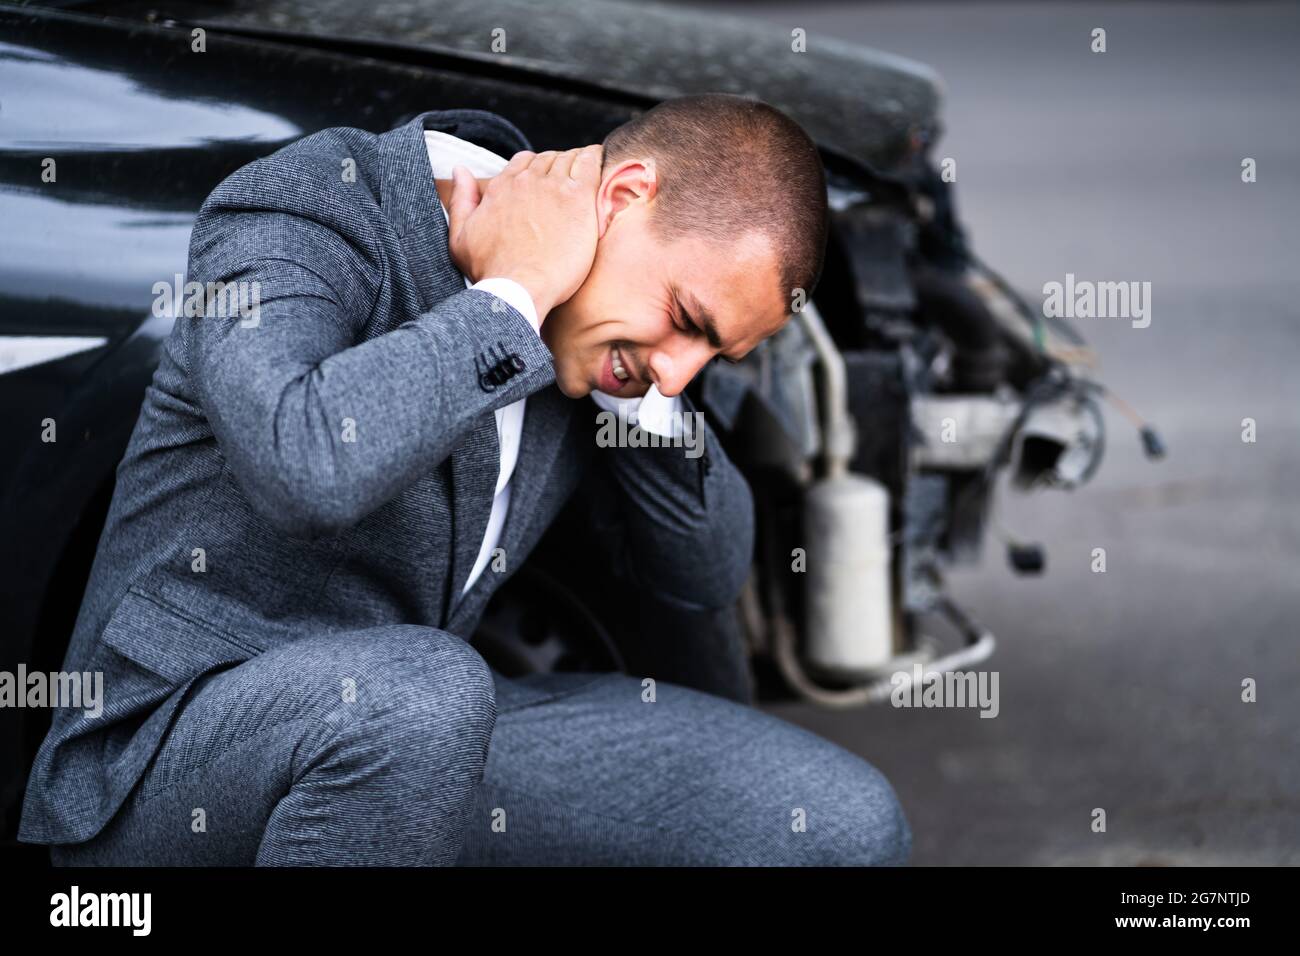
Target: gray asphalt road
[{"x": 1122, "y": 690}]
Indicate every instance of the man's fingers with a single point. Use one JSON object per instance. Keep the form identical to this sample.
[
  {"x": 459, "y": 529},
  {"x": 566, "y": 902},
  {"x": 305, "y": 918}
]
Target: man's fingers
[
  {"x": 518, "y": 162},
  {"x": 585, "y": 166},
  {"x": 543, "y": 162},
  {"x": 564, "y": 165},
  {"x": 464, "y": 198}
]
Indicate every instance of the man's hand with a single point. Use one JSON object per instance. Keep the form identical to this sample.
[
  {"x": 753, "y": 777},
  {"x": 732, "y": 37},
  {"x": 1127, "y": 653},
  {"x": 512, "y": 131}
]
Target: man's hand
[{"x": 534, "y": 223}]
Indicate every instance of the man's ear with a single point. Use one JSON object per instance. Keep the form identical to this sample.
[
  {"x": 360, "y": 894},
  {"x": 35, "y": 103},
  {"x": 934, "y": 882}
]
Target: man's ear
[{"x": 629, "y": 183}]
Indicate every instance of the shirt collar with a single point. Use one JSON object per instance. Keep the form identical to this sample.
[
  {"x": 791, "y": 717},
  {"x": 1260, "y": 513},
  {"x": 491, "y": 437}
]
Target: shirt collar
[{"x": 447, "y": 151}]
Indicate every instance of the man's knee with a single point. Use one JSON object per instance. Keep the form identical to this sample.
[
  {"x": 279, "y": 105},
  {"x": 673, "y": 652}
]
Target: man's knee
[
  {"x": 871, "y": 829},
  {"x": 392, "y": 765},
  {"x": 416, "y": 694},
  {"x": 422, "y": 683}
]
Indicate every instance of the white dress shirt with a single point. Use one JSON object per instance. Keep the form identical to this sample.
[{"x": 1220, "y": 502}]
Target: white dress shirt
[{"x": 654, "y": 412}]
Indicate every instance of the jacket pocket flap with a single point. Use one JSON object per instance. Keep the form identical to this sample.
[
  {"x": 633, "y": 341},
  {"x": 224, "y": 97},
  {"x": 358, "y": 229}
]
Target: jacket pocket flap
[{"x": 167, "y": 641}]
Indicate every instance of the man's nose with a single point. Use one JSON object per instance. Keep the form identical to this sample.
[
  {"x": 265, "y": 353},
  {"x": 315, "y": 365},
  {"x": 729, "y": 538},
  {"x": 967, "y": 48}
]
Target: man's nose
[{"x": 671, "y": 369}]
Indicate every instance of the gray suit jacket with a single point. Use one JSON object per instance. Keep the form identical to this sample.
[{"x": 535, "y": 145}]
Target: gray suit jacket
[{"x": 329, "y": 464}]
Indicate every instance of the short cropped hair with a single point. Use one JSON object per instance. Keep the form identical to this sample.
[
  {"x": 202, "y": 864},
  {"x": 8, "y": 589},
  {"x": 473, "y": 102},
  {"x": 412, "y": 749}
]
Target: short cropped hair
[{"x": 727, "y": 164}]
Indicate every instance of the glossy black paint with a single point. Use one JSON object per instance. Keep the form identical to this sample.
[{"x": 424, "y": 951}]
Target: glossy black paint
[{"x": 856, "y": 101}]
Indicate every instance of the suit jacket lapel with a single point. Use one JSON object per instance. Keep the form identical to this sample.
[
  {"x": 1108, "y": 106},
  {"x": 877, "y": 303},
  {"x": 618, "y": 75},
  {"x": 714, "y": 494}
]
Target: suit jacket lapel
[
  {"x": 546, "y": 420},
  {"x": 411, "y": 200}
]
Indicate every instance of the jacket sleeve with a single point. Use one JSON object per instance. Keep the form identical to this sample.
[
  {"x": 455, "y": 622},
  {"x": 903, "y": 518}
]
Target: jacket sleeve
[
  {"x": 675, "y": 521},
  {"x": 319, "y": 426}
]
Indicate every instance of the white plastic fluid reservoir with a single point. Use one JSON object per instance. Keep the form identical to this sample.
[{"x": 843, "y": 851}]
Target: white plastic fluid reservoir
[{"x": 849, "y": 618}]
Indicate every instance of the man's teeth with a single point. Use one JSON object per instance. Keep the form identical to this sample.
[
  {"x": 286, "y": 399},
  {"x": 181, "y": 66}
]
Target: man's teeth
[{"x": 620, "y": 372}]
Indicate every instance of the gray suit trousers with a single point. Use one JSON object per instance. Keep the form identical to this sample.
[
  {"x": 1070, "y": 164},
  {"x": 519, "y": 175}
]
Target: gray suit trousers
[{"x": 400, "y": 746}]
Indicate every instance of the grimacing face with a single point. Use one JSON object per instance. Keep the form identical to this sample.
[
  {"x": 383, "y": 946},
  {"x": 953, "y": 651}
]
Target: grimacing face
[{"x": 653, "y": 312}]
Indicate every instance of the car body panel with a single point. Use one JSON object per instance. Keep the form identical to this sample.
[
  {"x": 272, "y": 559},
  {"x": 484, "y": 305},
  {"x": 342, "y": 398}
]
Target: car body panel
[{"x": 860, "y": 102}]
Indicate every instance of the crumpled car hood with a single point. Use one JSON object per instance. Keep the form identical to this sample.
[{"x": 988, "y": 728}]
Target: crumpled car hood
[{"x": 860, "y": 102}]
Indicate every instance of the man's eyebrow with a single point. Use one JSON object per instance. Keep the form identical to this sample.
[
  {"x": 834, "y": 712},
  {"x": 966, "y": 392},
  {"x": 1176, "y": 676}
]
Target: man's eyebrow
[{"x": 702, "y": 318}]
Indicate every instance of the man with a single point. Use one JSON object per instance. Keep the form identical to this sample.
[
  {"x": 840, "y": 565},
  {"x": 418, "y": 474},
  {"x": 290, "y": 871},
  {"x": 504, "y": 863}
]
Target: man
[{"x": 299, "y": 544}]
